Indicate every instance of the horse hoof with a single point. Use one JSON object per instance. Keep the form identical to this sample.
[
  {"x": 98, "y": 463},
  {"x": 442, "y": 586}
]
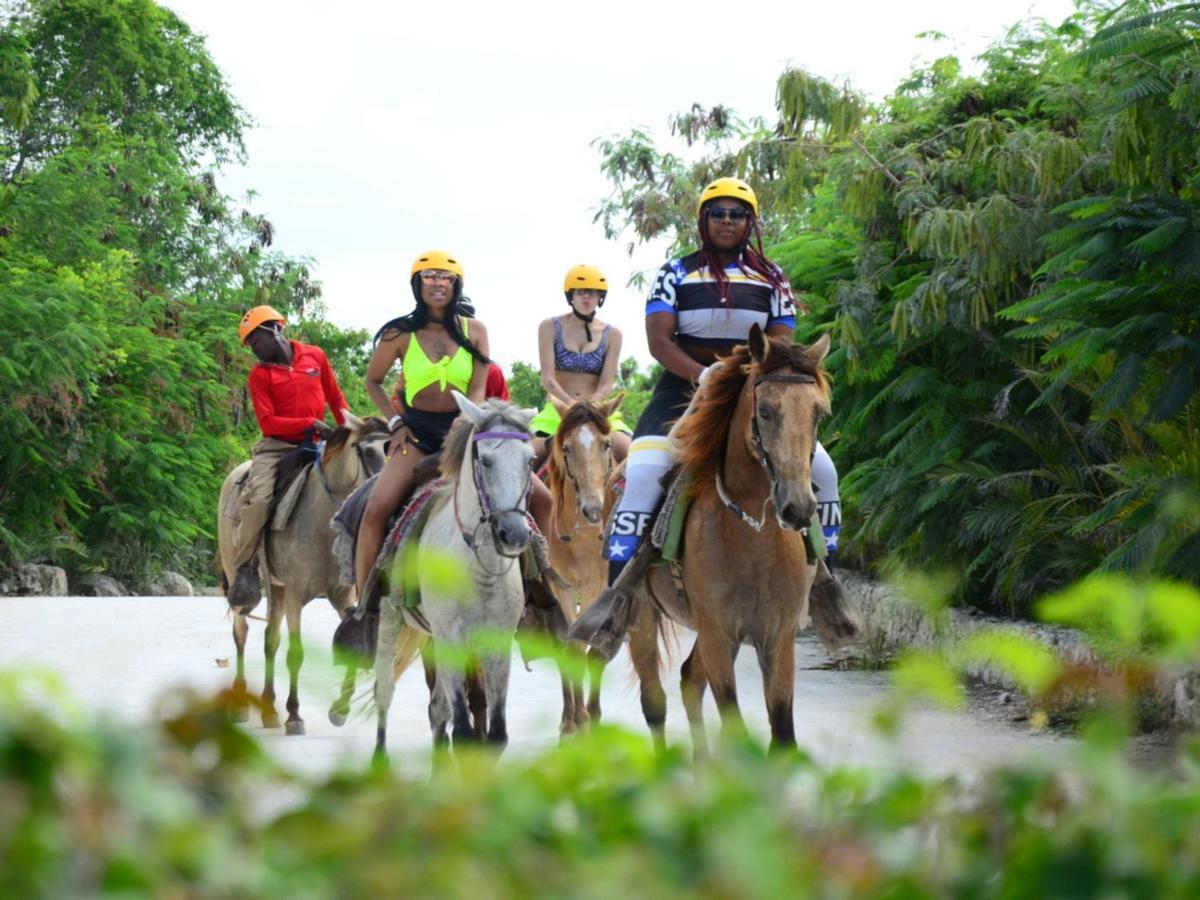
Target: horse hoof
[
  {"x": 271, "y": 721},
  {"x": 239, "y": 715},
  {"x": 337, "y": 717},
  {"x": 380, "y": 761},
  {"x": 294, "y": 727}
]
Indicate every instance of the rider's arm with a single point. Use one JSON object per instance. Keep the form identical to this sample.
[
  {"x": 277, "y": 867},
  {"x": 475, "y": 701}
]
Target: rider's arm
[
  {"x": 608, "y": 374},
  {"x": 333, "y": 391},
  {"x": 546, "y": 361},
  {"x": 477, "y": 390},
  {"x": 660, "y": 335},
  {"x": 387, "y": 351}
]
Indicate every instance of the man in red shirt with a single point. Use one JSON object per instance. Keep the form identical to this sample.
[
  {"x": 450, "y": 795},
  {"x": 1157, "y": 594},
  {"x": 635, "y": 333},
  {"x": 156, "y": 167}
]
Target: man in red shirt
[{"x": 290, "y": 388}]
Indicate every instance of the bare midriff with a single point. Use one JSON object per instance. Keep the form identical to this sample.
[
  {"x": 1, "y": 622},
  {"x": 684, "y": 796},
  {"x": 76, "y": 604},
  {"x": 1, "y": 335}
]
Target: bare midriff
[{"x": 580, "y": 385}]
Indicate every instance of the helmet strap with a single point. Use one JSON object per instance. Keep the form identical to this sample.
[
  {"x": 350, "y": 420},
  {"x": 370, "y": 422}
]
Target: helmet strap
[{"x": 586, "y": 320}]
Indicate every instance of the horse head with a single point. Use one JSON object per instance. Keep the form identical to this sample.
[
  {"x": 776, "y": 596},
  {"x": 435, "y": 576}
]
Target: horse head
[
  {"x": 581, "y": 454},
  {"x": 491, "y": 444},
  {"x": 789, "y": 397},
  {"x": 367, "y": 438}
]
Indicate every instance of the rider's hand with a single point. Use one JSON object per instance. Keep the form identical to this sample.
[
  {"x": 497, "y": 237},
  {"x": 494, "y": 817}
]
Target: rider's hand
[{"x": 322, "y": 430}]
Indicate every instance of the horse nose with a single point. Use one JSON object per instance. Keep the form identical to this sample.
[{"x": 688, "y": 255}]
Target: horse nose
[
  {"x": 797, "y": 512},
  {"x": 512, "y": 532},
  {"x": 591, "y": 512}
]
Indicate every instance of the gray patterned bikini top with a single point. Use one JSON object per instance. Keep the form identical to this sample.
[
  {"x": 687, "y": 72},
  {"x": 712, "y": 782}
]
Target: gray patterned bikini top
[{"x": 589, "y": 363}]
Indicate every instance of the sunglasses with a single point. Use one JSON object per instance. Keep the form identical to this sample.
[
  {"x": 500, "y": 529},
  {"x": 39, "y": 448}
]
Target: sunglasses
[
  {"x": 721, "y": 213},
  {"x": 436, "y": 275}
]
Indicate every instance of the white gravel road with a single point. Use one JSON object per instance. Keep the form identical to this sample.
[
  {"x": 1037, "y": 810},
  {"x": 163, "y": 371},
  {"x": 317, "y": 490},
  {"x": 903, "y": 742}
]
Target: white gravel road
[{"x": 119, "y": 655}]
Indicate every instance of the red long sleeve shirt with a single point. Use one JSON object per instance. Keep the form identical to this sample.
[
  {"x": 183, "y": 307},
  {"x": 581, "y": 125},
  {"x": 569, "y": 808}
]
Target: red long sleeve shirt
[{"x": 288, "y": 398}]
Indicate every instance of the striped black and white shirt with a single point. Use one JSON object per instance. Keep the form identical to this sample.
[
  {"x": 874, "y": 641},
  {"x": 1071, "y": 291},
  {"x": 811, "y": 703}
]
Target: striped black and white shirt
[{"x": 691, "y": 294}]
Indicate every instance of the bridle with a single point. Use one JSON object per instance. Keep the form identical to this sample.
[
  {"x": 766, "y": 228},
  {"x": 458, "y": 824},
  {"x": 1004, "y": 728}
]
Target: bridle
[
  {"x": 490, "y": 514},
  {"x": 566, "y": 538},
  {"x": 759, "y": 450},
  {"x": 364, "y": 468}
]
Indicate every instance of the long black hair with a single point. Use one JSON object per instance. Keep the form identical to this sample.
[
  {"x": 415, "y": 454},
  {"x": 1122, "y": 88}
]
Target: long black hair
[{"x": 419, "y": 318}]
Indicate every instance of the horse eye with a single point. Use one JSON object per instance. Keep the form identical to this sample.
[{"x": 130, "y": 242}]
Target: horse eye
[
  {"x": 485, "y": 461},
  {"x": 764, "y": 413}
]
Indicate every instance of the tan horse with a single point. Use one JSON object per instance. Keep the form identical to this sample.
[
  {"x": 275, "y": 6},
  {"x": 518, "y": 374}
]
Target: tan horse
[
  {"x": 579, "y": 468},
  {"x": 747, "y": 441},
  {"x": 299, "y": 559}
]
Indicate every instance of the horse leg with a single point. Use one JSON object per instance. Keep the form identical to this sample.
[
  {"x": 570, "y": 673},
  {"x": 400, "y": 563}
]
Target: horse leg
[
  {"x": 717, "y": 656},
  {"x": 390, "y": 622},
  {"x": 453, "y": 683},
  {"x": 477, "y": 700},
  {"x": 692, "y": 684},
  {"x": 643, "y": 652},
  {"x": 295, "y": 659},
  {"x": 339, "y": 710},
  {"x": 596, "y": 663},
  {"x": 778, "y": 664},
  {"x": 496, "y": 669},
  {"x": 439, "y": 707},
  {"x": 270, "y": 718},
  {"x": 240, "y": 709}
]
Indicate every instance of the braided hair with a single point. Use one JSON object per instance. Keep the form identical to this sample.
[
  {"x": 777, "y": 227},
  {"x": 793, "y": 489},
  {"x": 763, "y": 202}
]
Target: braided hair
[
  {"x": 750, "y": 259},
  {"x": 419, "y": 318}
]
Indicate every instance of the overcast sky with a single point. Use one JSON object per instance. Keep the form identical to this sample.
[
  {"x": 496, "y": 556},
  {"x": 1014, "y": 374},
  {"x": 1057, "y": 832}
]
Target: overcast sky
[{"x": 383, "y": 130}]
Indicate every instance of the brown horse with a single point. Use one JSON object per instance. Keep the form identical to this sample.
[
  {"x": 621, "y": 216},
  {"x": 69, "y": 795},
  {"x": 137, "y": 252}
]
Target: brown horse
[
  {"x": 747, "y": 441},
  {"x": 578, "y": 469}
]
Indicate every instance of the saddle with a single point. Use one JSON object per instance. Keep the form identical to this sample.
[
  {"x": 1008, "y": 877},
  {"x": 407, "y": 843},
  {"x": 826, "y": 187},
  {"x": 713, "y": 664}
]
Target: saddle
[{"x": 357, "y": 634}]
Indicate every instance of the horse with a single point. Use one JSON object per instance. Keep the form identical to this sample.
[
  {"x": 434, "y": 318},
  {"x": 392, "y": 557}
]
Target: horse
[
  {"x": 747, "y": 441},
  {"x": 299, "y": 562},
  {"x": 479, "y": 522},
  {"x": 578, "y": 470}
]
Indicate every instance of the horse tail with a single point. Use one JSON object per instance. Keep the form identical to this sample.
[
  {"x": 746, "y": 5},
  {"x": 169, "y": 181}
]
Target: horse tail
[
  {"x": 408, "y": 647},
  {"x": 668, "y": 639}
]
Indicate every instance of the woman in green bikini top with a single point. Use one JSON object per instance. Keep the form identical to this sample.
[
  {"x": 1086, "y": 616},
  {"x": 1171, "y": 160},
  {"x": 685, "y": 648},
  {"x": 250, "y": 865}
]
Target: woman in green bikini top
[{"x": 438, "y": 348}]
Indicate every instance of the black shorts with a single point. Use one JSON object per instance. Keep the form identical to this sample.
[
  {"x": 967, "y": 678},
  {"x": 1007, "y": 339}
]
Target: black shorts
[
  {"x": 668, "y": 402},
  {"x": 428, "y": 430}
]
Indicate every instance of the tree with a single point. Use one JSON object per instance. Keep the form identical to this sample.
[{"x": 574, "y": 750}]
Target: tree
[
  {"x": 123, "y": 273},
  {"x": 1007, "y": 265}
]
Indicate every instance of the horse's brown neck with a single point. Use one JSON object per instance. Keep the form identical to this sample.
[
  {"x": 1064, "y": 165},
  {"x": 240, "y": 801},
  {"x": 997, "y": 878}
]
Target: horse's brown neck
[{"x": 745, "y": 479}]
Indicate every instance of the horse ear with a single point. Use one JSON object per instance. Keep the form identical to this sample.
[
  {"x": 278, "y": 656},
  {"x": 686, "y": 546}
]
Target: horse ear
[
  {"x": 610, "y": 405},
  {"x": 355, "y": 423},
  {"x": 817, "y": 352},
  {"x": 559, "y": 405},
  {"x": 759, "y": 347},
  {"x": 525, "y": 416},
  {"x": 469, "y": 409}
]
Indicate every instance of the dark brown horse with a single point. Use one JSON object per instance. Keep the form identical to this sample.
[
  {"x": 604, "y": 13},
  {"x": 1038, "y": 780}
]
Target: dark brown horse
[{"x": 747, "y": 441}]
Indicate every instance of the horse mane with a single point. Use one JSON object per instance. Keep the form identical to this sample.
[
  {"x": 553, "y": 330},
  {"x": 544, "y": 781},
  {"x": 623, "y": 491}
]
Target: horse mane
[
  {"x": 341, "y": 435},
  {"x": 499, "y": 415},
  {"x": 578, "y": 415},
  {"x": 701, "y": 436}
]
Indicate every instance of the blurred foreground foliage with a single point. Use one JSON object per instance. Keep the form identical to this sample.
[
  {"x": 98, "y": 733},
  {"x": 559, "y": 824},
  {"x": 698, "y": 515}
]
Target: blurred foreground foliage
[{"x": 197, "y": 808}]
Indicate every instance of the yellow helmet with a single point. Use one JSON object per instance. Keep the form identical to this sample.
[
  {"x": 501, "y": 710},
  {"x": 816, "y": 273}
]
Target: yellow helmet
[
  {"x": 437, "y": 259},
  {"x": 585, "y": 278},
  {"x": 729, "y": 187},
  {"x": 256, "y": 317}
]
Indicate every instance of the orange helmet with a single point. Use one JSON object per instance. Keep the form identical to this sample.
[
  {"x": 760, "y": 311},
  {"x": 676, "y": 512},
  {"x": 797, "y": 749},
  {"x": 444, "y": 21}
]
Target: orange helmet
[{"x": 256, "y": 317}]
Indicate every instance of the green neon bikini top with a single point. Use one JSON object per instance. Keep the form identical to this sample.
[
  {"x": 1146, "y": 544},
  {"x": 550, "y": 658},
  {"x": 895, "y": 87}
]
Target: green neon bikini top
[{"x": 420, "y": 372}]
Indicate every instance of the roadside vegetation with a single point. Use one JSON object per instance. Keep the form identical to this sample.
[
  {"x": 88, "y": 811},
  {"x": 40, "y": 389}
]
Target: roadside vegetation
[{"x": 1008, "y": 264}]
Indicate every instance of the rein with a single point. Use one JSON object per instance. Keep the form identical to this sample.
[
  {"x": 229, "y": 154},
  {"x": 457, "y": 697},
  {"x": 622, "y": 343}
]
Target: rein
[
  {"x": 760, "y": 452},
  {"x": 470, "y": 538}
]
